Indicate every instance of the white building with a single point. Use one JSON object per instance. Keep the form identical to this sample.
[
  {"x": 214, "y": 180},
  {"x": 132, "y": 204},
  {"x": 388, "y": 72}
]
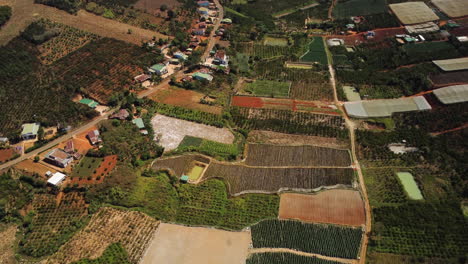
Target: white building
[{"x": 56, "y": 179}]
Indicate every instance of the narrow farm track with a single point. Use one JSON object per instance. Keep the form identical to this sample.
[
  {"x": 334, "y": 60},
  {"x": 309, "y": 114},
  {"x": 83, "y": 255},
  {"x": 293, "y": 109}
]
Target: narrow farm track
[
  {"x": 450, "y": 130},
  {"x": 26, "y": 11},
  {"x": 352, "y": 137},
  {"x": 301, "y": 253}
]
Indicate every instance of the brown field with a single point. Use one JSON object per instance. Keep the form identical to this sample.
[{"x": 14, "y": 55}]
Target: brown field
[
  {"x": 25, "y": 11},
  {"x": 7, "y": 244},
  {"x": 270, "y": 137},
  {"x": 184, "y": 98},
  {"x": 174, "y": 244},
  {"x": 277, "y": 156},
  {"x": 30, "y": 166},
  {"x": 131, "y": 229},
  {"x": 449, "y": 78},
  {"x": 180, "y": 164},
  {"x": 6, "y": 154},
  {"x": 344, "y": 207}
]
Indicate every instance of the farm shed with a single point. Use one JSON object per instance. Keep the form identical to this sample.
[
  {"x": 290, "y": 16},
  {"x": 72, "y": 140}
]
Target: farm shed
[
  {"x": 452, "y": 64},
  {"x": 452, "y": 94},
  {"x": 139, "y": 123},
  {"x": 413, "y": 13},
  {"x": 59, "y": 158},
  {"x": 202, "y": 76},
  {"x": 335, "y": 42},
  {"x": 89, "y": 102},
  {"x": 422, "y": 28},
  {"x": 180, "y": 55},
  {"x": 453, "y": 8},
  {"x": 122, "y": 114},
  {"x": 159, "y": 69},
  {"x": 94, "y": 137},
  {"x": 385, "y": 108},
  {"x": 30, "y": 131},
  {"x": 142, "y": 77},
  {"x": 184, "y": 178},
  {"x": 56, "y": 179}
]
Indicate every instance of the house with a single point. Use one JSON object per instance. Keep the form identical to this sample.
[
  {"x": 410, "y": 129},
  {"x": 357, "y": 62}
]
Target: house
[
  {"x": 4, "y": 141},
  {"x": 184, "y": 178},
  {"x": 203, "y": 3},
  {"x": 335, "y": 42},
  {"x": 69, "y": 147},
  {"x": 203, "y": 10},
  {"x": 58, "y": 158},
  {"x": 94, "y": 137},
  {"x": 174, "y": 61},
  {"x": 159, "y": 69},
  {"x": 142, "y": 77},
  {"x": 89, "y": 102},
  {"x": 56, "y": 179},
  {"x": 122, "y": 114},
  {"x": 220, "y": 57},
  {"x": 139, "y": 123},
  {"x": 180, "y": 55},
  {"x": 198, "y": 32},
  {"x": 30, "y": 131},
  {"x": 227, "y": 21},
  {"x": 202, "y": 76}
]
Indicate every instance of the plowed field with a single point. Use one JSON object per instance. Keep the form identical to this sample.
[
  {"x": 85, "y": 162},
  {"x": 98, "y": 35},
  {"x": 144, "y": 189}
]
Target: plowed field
[{"x": 344, "y": 207}]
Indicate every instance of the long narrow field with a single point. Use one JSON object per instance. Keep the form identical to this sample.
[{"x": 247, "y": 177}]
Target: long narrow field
[
  {"x": 179, "y": 165},
  {"x": 316, "y": 52},
  {"x": 277, "y": 156},
  {"x": 285, "y": 258},
  {"x": 344, "y": 207},
  {"x": 174, "y": 244},
  {"x": 327, "y": 240},
  {"x": 242, "y": 179},
  {"x": 133, "y": 230}
]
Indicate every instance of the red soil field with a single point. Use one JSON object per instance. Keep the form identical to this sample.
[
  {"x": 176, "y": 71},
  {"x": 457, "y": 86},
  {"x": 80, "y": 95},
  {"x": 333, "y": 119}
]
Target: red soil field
[
  {"x": 184, "y": 98},
  {"x": 6, "y": 154},
  {"x": 106, "y": 166},
  {"x": 344, "y": 207},
  {"x": 247, "y": 101}
]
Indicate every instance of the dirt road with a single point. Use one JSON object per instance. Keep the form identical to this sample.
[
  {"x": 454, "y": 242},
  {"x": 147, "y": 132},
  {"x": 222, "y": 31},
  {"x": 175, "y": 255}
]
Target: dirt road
[
  {"x": 352, "y": 137},
  {"x": 305, "y": 254},
  {"x": 211, "y": 39},
  {"x": 25, "y": 11}
]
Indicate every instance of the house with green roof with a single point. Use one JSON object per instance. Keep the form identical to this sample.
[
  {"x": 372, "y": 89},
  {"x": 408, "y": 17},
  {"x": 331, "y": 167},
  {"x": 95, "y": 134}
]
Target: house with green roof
[
  {"x": 184, "y": 178},
  {"x": 89, "y": 102},
  {"x": 159, "y": 69},
  {"x": 30, "y": 131},
  {"x": 202, "y": 76},
  {"x": 139, "y": 123}
]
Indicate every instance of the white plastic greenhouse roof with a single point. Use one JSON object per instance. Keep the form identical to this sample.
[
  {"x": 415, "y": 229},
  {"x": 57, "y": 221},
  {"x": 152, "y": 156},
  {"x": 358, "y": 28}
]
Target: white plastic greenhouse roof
[
  {"x": 452, "y": 64},
  {"x": 453, "y": 8},
  {"x": 410, "y": 13},
  {"x": 385, "y": 108},
  {"x": 452, "y": 94}
]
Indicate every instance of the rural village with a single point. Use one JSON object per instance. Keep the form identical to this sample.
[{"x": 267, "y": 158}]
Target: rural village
[{"x": 233, "y": 131}]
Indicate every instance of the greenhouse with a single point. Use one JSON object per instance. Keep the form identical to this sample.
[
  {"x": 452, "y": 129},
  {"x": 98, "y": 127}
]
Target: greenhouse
[
  {"x": 452, "y": 94},
  {"x": 413, "y": 13},
  {"x": 452, "y": 64},
  {"x": 385, "y": 108}
]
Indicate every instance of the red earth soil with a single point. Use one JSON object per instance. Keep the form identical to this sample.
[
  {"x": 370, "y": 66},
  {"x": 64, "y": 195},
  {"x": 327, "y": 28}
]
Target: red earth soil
[
  {"x": 344, "y": 207},
  {"x": 6, "y": 154},
  {"x": 106, "y": 166},
  {"x": 247, "y": 101}
]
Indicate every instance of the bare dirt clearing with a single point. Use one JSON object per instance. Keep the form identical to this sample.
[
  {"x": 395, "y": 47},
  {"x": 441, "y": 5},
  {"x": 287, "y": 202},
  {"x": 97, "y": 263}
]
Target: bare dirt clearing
[
  {"x": 7, "y": 244},
  {"x": 184, "y": 98},
  {"x": 173, "y": 131},
  {"x": 269, "y": 137},
  {"x": 25, "y": 11},
  {"x": 132, "y": 229},
  {"x": 343, "y": 207},
  {"x": 174, "y": 244}
]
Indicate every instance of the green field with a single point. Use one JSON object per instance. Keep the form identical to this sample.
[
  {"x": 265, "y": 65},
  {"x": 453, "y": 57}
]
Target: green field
[
  {"x": 86, "y": 167},
  {"x": 268, "y": 88},
  {"x": 316, "y": 52},
  {"x": 208, "y": 147},
  {"x": 195, "y": 172},
  {"x": 346, "y": 9},
  {"x": 410, "y": 185},
  {"x": 271, "y": 41}
]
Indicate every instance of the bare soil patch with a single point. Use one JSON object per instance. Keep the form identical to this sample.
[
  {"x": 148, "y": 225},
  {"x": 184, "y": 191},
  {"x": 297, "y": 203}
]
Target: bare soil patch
[
  {"x": 132, "y": 229},
  {"x": 344, "y": 207},
  {"x": 6, "y": 154},
  {"x": 173, "y": 131},
  {"x": 29, "y": 166},
  {"x": 184, "y": 98},
  {"x": 174, "y": 244},
  {"x": 269, "y": 137},
  {"x": 7, "y": 244}
]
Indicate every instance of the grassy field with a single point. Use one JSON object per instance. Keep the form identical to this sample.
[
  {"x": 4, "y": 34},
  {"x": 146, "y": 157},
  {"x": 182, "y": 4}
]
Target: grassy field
[
  {"x": 195, "y": 172},
  {"x": 410, "y": 185},
  {"x": 346, "y": 9},
  {"x": 316, "y": 52},
  {"x": 86, "y": 167},
  {"x": 208, "y": 147},
  {"x": 268, "y": 88},
  {"x": 271, "y": 41}
]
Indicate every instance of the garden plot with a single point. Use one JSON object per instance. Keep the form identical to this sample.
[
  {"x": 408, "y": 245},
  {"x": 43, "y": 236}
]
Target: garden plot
[
  {"x": 344, "y": 207},
  {"x": 179, "y": 165},
  {"x": 133, "y": 230},
  {"x": 174, "y": 244},
  {"x": 169, "y": 132},
  {"x": 346, "y": 9},
  {"x": 7, "y": 246},
  {"x": 276, "y": 156},
  {"x": 410, "y": 186},
  {"x": 267, "y": 88}
]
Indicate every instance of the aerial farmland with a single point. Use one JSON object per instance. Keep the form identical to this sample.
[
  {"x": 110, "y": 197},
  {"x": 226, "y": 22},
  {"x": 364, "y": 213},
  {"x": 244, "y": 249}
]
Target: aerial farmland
[{"x": 243, "y": 132}]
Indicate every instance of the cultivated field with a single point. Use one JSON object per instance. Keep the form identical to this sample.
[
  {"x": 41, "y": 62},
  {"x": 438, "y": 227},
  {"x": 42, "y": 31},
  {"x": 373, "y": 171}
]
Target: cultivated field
[
  {"x": 327, "y": 240},
  {"x": 152, "y": 5},
  {"x": 278, "y": 156},
  {"x": 449, "y": 78},
  {"x": 174, "y": 244},
  {"x": 316, "y": 52},
  {"x": 262, "y": 51},
  {"x": 7, "y": 244},
  {"x": 243, "y": 179},
  {"x": 6, "y": 154},
  {"x": 133, "y": 230},
  {"x": 345, "y": 9},
  {"x": 272, "y": 41},
  {"x": 285, "y": 258},
  {"x": 174, "y": 130},
  {"x": 316, "y": 89},
  {"x": 344, "y": 207},
  {"x": 93, "y": 170},
  {"x": 179, "y": 165},
  {"x": 269, "y": 137},
  {"x": 267, "y": 88}
]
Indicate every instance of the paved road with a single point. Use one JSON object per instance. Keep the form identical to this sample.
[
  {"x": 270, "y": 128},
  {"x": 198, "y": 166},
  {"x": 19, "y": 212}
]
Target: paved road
[{"x": 212, "y": 40}]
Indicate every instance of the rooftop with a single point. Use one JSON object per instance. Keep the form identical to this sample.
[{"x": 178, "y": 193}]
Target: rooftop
[
  {"x": 452, "y": 64},
  {"x": 139, "y": 123},
  {"x": 453, "y": 8},
  {"x": 30, "y": 128},
  {"x": 452, "y": 94},
  {"x": 56, "y": 178},
  {"x": 89, "y": 102},
  {"x": 386, "y": 107},
  {"x": 413, "y": 12},
  {"x": 158, "y": 67}
]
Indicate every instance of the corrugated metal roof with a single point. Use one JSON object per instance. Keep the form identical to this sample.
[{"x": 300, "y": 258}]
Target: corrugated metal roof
[
  {"x": 453, "y": 8},
  {"x": 56, "y": 178},
  {"x": 139, "y": 123},
  {"x": 385, "y": 108},
  {"x": 452, "y": 94},
  {"x": 30, "y": 128},
  {"x": 452, "y": 64}
]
